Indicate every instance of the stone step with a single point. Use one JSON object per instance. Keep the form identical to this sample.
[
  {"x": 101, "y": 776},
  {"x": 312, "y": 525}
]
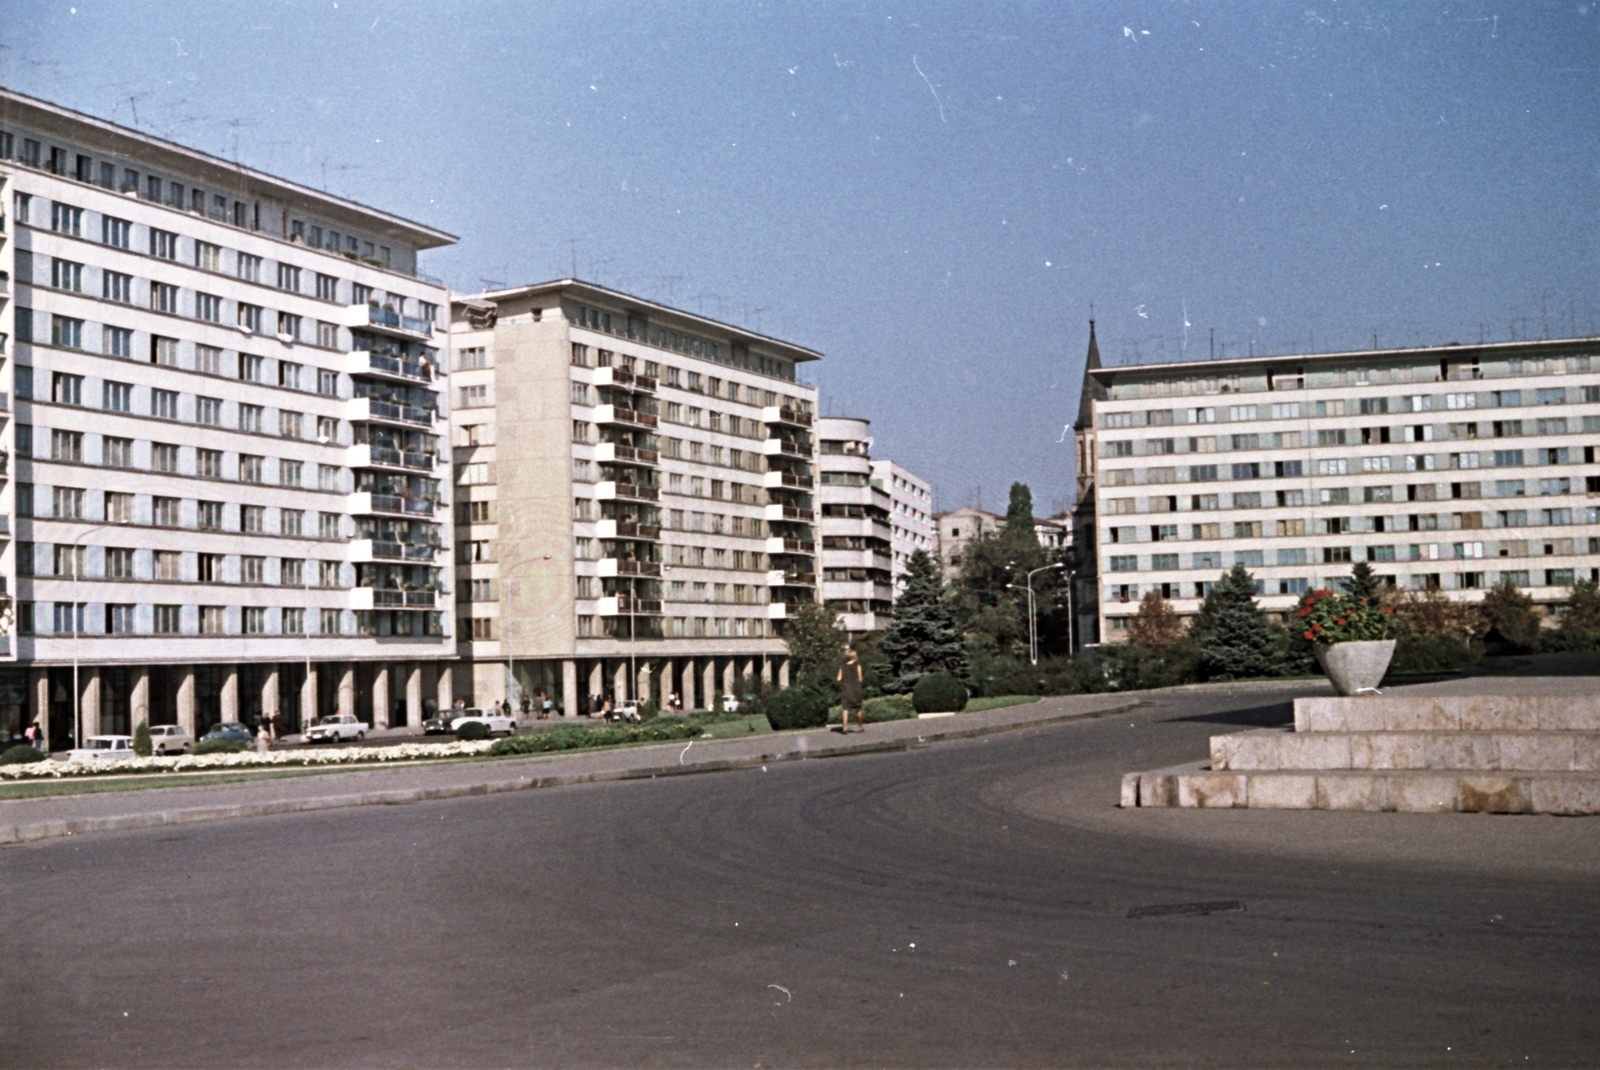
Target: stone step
[
  {"x": 1413, "y": 791},
  {"x": 1449, "y": 713},
  {"x": 1281, "y": 749}
]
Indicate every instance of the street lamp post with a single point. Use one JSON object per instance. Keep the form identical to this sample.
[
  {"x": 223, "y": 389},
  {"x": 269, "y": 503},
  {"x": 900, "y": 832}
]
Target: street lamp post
[
  {"x": 77, "y": 628},
  {"x": 1033, "y": 617}
]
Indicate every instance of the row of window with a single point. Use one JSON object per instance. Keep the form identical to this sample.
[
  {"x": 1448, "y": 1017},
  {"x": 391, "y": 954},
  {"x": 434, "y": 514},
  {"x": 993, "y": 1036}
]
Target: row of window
[
  {"x": 121, "y": 507},
  {"x": 67, "y": 447},
  {"x": 1406, "y": 403},
  {"x": 96, "y": 618},
  {"x": 1129, "y": 593},
  {"x": 1333, "y": 555},
  {"x": 1365, "y": 436},
  {"x": 68, "y": 389},
  {"x": 1255, "y": 499},
  {"x": 67, "y": 332},
  {"x": 1342, "y": 466},
  {"x": 66, "y": 560},
  {"x": 1342, "y": 525}
]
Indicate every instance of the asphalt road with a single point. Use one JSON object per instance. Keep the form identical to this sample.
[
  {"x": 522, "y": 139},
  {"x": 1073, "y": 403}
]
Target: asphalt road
[{"x": 960, "y": 905}]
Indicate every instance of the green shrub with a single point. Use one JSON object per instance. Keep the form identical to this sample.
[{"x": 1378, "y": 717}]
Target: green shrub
[
  {"x": 1434, "y": 653},
  {"x": 649, "y": 711},
  {"x": 557, "y": 739},
  {"x": 797, "y": 707},
  {"x": 939, "y": 692},
  {"x": 141, "y": 740},
  {"x": 888, "y": 708},
  {"x": 1568, "y": 641},
  {"x": 21, "y": 754},
  {"x": 472, "y": 730},
  {"x": 220, "y": 746},
  {"x": 1052, "y": 676}
]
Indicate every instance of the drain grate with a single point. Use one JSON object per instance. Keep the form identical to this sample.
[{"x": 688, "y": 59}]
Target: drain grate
[{"x": 1163, "y": 910}]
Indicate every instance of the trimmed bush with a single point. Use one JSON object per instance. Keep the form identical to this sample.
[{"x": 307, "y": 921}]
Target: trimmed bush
[
  {"x": 649, "y": 711},
  {"x": 557, "y": 739},
  {"x": 888, "y": 708},
  {"x": 21, "y": 754},
  {"x": 220, "y": 746},
  {"x": 141, "y": 740},
  {"x": 939, "y": 692},
  {"x": 797, "y": 707},
  {"x": 1568, "y": 641},
  {"x": 473, "y": 730},
  {"x": 1434, "y": 653}
]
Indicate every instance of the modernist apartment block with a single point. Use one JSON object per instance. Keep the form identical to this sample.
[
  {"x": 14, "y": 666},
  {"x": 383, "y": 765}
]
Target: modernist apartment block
[
  {"x": 911, "y": 525},
  {"x": 635, "y": 494},
  {"x": 1449, "y": 469},
  {"x": 226, "y": 459},
  {"x": 953, "y": 530},
  {"x": 857, "y": 537}
]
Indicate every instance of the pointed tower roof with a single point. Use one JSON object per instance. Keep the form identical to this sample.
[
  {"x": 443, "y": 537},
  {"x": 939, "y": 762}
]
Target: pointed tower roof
[{"x": 1092, "y": 391}]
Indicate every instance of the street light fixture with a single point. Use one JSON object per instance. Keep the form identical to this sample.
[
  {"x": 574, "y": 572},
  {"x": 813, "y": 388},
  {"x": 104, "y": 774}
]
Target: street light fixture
[{"x": 1033, "y": 617}]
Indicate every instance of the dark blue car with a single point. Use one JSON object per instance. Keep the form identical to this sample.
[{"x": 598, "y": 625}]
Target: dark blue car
[{"x": 229, "y": 730}]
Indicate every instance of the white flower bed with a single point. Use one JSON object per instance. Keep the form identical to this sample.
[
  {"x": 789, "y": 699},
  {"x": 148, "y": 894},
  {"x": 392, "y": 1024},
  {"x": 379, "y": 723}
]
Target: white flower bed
[{"x": 189, "y": 763}]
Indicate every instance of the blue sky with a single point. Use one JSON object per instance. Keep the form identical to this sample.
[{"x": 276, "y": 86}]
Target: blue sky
[{"x": 931, "y": 194}]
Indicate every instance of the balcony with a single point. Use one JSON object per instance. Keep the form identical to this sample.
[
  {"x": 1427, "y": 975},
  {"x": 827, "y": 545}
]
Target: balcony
[
  {"x": 792, "y": 579},
  {"x": 627, "y": 529},
  {"x": 625, "y": 605},
  {"x": 623, "y": 378},
  {"x": 388, "y": 598},
  {"x": 621, "y": 414},
  {"x": 364, "y": 362},
  {"x": 626, "y": 492},
  {"x": 366, "y": 502},
  {"x": 790, "y": 546},
  {"x": 613, "y": 566},
  {"x": 369, "y": 316},
  {"x": 617, "y": 453},
  {"x": 788, "y": 480},
  {"x": 369, "y": 410},
  {"x": 366, "y": 455},
  {"x": 786, "y": 447},
  {"x": 775, "y": 414},
  {"x": 365, "y": 550},
  {"x": 788, "y": 512}
]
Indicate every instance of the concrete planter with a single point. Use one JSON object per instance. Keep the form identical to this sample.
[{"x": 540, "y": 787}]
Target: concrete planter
[{"x": 1355, "y": 668}]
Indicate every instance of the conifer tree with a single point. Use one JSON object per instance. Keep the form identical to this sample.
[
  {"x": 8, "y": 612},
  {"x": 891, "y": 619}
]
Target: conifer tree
[
  {"x": 923, "y": 636},
  {"x": 1234, "y": 637},
  {"x": 1156, "y": 627},
  {"x": 1363, "y": 584}
]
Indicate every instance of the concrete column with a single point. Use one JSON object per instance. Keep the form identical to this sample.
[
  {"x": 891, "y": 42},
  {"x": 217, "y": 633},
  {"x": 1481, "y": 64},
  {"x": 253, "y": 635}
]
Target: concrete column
[
  {"x": 667, "y": 677},
  {"x": 88, "y": 703},
  {"x": 230, "y": 693},
  {"x": 569, "y": 688},
  {"x": 308, "y": 698},
  {"x": 139, "y": 698},
  {"x": 643, "y": 683},
  {"x": 766, "y": 670},
  {"x": 347, "y": 688},
  {"x": 186, "y": 701},
  {"x": 39, "y": 681},
  {"x": 708, "y": 683},
  {"x": 270, "y": 701},
  {"x": 619, "y": 684},
  {"x": 444, "y": 689},
  {"x": 730, "y": 681},
  {"x": 597, "y": 678},
  {"x": 414, "y": 695},
  {"x": 380, "y": 697},
  {"x": 783, "y": 672},
  {"x": 689, "y": 691}
]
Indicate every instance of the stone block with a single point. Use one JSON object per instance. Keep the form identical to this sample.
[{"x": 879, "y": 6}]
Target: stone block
[
  {"x": 1350, "y": 791},
  {"x": 1565, "y": 795},
  {"x": 1157, "y": 789},
  {"x": 1400, "y": 750},
  {"x": 1317, "y": 750},
  {"x": 1211, "y": 791},
  {"x": 1493, "y": 795},
  {"x": 1505, "y": 713},
  {"x": 1421, "y": 715},
  {"x": 1423, "y": 794},
  {"x": 1248, "y": 750},
  {"x": 1527, "y": 750},
  {"x": 1570, "y": 713},
  {"x": 1463, "y": 750},
  {"x": 1281, "y": 791},
  {"x": 1586, "y": 752},
  {"x": 1130, "y": 791}
]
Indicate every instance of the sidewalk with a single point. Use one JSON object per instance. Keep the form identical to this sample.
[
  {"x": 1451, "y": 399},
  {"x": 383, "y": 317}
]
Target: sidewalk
[{"x": 26, "y": 820}]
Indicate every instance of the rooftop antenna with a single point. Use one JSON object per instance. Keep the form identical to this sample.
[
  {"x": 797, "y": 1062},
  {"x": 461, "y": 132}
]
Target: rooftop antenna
[{"x": 1213, "y": 343}]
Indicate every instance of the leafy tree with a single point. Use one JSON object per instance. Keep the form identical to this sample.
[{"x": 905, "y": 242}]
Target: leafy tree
[
  {"x": 1583, "y": 608},
  {"x": 924, "y": 636},
  {"x": 993, "y": 614},
  {"x": 1233, "y": 635},
  {"x": 1420, "y": 613},
  {"x": 1511, "y": 613},
  {"x": 1156, "y": 626},
  {"x": 816, "y": 645}
]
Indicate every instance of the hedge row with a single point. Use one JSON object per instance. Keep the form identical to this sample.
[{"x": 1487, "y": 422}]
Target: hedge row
[{"x": 657, "y": 731}]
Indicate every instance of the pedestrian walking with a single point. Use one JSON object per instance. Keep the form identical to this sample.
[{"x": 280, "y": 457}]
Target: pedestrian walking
[
  {"x": 263, "y": 737},
  {"x": 527, "y": 705},
  {"x": 674, "y": 703},
  {"x": 31, "y": 734},
  {"x": 546, "y": 706},
  {"x": 849, "y": 678}
]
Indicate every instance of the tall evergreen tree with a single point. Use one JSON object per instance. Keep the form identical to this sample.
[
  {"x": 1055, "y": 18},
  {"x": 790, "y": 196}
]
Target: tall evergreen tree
[
  {"x": 1233, "y": 634},
  {"x": 994, "y": 614},
  {"x": 923, "y": 636},
  {"x": 1363, "y": 583}
]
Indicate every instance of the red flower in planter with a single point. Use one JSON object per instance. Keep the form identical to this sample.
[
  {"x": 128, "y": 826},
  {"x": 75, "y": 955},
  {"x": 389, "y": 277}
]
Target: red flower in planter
[{"x": 1311, "y": 635}]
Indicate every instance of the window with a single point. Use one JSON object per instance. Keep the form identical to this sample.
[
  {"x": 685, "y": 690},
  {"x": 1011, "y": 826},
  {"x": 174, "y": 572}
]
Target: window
[
  {"x": 474, "y": 395},
  {"x": 207, "y": 257},
  {"x": 114, "y": 231},
  {"x": 328, "y": 574},
  {"x": 288, "y": 278},
  {"x": 327, "y": 383},
  {"x": 66, "y": 446},
  {"x": 117, "y": 341},
  {"x": 327, "y": 335},
  {"x": 119, "y": 507},
  {"x": 290, "y": 424},
  {"x": 208, "y": 411},
  {"x": 290, "y": 473},
  {"x": 66, "y": 503},
  {"x": 168, "y": 565},
  {"x": 580, "y": 431},
  {"x": 66, "y": 389},
  {"x": 475, "y": 357},
  {"x": 1124, "y": 564},
  {"x": 291, "y": 572},
  {"x": 1337, "y": 466},
  {"x": 208, "y": 515},
  {"x": 253, "y": 620},
  {"x": 289, "y": 374},
  {"x": 164, "y": 351},
  {"x": 209, "y": 568},
  {"x": 116, "y": 452},
  {"x": 327, "y": 287},
  {"x": 163, "y": 297},
  {"x": 1555, "y": 395},
  {"x": 288, "y": 326},
  {"x": 250, "y": 269},
  {"x": 1202, "y": 473},
  {"x": 67, "y": 622},
  {"x": 163, "y": 457},
  {"x": 250, "y": 416},
  {"x": 329, "y": 623},
  {"x": 66, "y": 332},
  {"x": 253, "y": 519},
  {"x": 65, "y": 275},
  {"x": 291, "y": 522},
  {"x": 168, "y": 620},
  {"x": 250, "y": 319},
  {"x": 213, "y": 620},
  {"x": 1249, "y": 558},
  {"x": 163, "y": 244},
  {"x": 327, "y": 477},
  {"x": 328, "y": 525},
  {"x": 65, "y": 219},
  {"x": 119, "y": 564},
  {"x": 1247, "y": 471},
  {"x": 1333, "y": 555},
  {"x": 208, "y": 463},
  {"x": 208, "y": 307},
  {"x": 1288, "y": 469},
  {"x": 294, "y": 621}
]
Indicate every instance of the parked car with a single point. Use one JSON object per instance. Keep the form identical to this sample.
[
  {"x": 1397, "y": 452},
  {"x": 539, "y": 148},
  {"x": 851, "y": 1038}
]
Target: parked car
[
  {"x": 438, "y": 724},
  {"x": 102, "y": 749},
  {"x": 234, "y": 730},
  {"x": 169, "y": 739},
  {"x": 335, "y": 729},
  {"x": 497, "y": 721}
]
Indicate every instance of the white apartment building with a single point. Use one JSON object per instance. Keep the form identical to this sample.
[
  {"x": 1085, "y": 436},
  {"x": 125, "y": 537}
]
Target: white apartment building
[
  {"x": 911, "y": 525},
  {"x": 634, "y": 489},
  {"x": 857, "y": 539},
  {"x": 1449, "y": 468},
  {"x": 954, "y": 529},
  {"x": 224, "y": 444}
]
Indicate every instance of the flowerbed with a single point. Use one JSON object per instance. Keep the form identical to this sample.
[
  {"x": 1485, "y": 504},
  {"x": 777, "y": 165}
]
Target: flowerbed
[
  {"x": 188, "y": 763},
  {"x": 1330, "y": 617}
]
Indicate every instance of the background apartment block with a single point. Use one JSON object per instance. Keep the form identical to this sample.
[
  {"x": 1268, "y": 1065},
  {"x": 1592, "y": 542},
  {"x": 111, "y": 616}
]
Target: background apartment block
[
  {"x": 224, "y": 452},
  {"x": 954, "y": 529},
  {"x": 634, "y": 487},
  {"x": 857, "y": 539},
  {"x": 911, "y": 525},
  {"x": 1452, "y": 468}
]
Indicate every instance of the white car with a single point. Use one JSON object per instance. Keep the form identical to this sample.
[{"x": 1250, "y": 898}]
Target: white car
[
  {"x": 497, "y": 721},
  {"x": 336, "y": 729},
  {"x": 169, "y": 739},
  {"x": 102, "y": 749}
]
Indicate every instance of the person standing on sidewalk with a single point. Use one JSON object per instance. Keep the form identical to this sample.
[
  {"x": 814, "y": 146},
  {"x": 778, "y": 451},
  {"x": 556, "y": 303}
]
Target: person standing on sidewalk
[{"x": 849, "y": 678}]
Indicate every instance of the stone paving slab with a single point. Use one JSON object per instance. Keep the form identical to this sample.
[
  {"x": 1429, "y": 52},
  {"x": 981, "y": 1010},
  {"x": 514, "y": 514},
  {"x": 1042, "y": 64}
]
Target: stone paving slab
[
  {"x": 1409, "y": 711},
  {"x": 25, "y": 820},
  {"x": 1281, "y": 749}
]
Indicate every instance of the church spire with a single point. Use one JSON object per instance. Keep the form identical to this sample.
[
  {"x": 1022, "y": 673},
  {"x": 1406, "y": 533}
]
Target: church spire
[{"x": 1092, "y": 391}]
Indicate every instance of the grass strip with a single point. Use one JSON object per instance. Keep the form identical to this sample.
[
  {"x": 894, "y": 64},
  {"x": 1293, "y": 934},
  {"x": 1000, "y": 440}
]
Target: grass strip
[{"x": 998, "y": 702}]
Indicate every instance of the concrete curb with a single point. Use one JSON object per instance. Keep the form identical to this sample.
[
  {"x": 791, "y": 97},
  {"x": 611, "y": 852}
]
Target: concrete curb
[{"x": 801, "y": 748}]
